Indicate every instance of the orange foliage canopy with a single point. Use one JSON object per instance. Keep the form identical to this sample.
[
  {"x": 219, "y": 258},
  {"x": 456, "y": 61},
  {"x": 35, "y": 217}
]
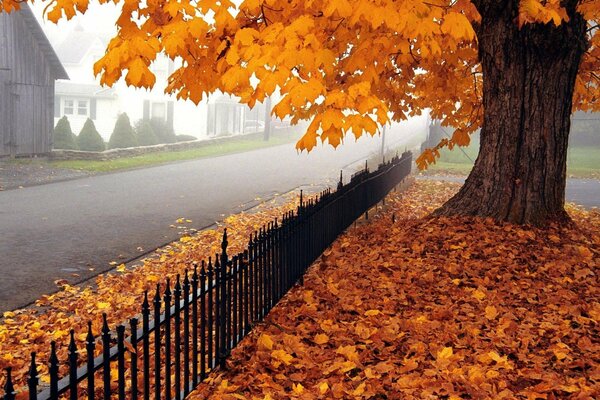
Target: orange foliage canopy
[{"x": 345, "y": 65}]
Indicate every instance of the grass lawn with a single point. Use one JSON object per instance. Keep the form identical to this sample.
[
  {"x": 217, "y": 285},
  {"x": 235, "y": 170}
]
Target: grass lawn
[
  {"x": 582, "y": 162},
  {"x": 234, "y": 146}
]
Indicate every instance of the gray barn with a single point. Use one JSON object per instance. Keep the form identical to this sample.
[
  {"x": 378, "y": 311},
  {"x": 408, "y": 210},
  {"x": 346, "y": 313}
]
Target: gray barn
[{"x": 28, "y": 68}]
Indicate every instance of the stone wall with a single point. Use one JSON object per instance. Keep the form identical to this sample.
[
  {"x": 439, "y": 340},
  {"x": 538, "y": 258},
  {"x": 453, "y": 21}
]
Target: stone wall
[{"x": 138, "y": 151}]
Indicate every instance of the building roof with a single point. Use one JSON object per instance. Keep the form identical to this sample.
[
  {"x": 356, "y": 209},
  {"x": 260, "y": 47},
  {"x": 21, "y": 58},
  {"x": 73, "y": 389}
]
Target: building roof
[
  {"x": 36, "y": 30},
  {"x": 66, "y": 88},
  {"x": 76, "y": 45}
]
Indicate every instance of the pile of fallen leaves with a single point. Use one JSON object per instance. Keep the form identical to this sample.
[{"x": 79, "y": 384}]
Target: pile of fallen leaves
[
  {"x": 119, "y": 294},
  {"x": 455, "y": 308}
]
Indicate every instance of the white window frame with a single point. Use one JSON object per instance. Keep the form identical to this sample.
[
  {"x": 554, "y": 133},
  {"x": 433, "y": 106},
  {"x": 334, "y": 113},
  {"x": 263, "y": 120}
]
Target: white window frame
[
  {"x": 72, "y": 105},
  {"x": 86, "y": 107},
  {"x": 161, "y": 103}
]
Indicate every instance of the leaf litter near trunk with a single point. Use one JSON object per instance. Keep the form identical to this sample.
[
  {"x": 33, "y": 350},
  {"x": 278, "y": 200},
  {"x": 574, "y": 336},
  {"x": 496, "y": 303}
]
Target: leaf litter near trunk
[{"x": 432, "y": 308}]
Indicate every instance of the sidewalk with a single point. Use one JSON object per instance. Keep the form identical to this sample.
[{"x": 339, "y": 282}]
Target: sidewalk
[
  {"x": 581, "y": 191},
  {"x": 16, "y": 174}
]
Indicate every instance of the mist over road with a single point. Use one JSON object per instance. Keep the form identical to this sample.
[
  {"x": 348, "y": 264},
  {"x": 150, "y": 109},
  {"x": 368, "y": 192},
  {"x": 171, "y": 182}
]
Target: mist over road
[{"x": 52, "y": 231}]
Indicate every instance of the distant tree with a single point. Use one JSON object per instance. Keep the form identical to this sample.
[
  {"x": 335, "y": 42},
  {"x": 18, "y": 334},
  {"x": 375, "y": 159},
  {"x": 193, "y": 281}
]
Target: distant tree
[
  {"x": 123, "y": 134},
  {"x": 89, "y": 139},
  {"x": 145, "y": 133},
  {"x": 63, "y": 135},
  {"x": 163, "y": 131}
]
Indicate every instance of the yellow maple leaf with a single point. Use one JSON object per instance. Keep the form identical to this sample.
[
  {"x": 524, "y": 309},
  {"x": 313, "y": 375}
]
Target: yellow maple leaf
[
  {"x": 297, "y": 388},
  {"x": 458, "y": 26},
  {"x": 491, "y": 312},
  {"x": 492, "y": 373},
  {"x": 265, "y": 342},
  {"x": 478, "y": 294},
  {"x": 349, "y": 352},
  {"x": 359, "y": 390},
  {"x": 246, "y": 36},
  {"x": 321, "y": 338},
  {"x": 445, "y": 353},
  {"x": 102, "y": 305},
  {"x": 283, "y": 356},
  {"x": 323, "y": 387}
]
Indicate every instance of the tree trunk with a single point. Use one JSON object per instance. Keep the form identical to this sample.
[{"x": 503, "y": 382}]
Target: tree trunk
[{"x": 528, "y": 83}]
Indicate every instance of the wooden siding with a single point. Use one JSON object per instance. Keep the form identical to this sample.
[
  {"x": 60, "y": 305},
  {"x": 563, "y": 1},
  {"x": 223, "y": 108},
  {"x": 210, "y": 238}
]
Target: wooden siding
[
  {"x": 27, "y": 90},
  {"x": 5, "y": 113}
]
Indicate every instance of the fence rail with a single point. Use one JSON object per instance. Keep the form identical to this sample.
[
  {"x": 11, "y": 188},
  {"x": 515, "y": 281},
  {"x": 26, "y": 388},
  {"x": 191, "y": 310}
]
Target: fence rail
[{"x": 190, "y": 328}]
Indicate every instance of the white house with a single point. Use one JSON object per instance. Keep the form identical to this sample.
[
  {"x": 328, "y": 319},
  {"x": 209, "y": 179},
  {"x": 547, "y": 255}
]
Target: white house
[{"x": 82, "y": 96}]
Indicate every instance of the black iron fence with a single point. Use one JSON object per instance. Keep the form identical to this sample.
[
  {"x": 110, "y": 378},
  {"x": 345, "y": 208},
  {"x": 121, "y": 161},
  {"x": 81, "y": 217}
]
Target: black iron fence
[{"x": 190, "y": 328}]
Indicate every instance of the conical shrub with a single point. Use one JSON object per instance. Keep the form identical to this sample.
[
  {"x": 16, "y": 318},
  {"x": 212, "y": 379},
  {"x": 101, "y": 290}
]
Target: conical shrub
[
  {"x": 89, "y": 139},
  {"x": 145, "y": 133},
  {"x": 63, "y": 135},
  {"x": 163, "y": 131},
  {"x": 123, "y": 134}
]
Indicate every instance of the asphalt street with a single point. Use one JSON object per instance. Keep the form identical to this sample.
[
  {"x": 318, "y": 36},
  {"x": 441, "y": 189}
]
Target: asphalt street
[{"x": 56, "y": 230}]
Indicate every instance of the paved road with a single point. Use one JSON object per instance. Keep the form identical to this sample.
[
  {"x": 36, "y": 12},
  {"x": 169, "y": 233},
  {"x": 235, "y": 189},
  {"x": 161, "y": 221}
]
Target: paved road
[
  {"x": 51, "y": 231},
  {"x": 584, "y": 192}
]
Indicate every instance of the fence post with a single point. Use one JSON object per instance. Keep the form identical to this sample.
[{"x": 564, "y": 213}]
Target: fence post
[
  {"x": 167, "y": 300},
  {"x": 194, "y": 330},
  {"x": 202, "y": 320},
  {"x": 121, "y": 361},
  {"x": 33, "y": 380},
  {"x": 157, "y": 359},
  {"x": 53, "y": 370},
  {"x": 146, "y": 345},
  {"x": 210, "y": 275},
  {"x": 72, "y": 366},
  {"x": 177, "y": 328},
  {"x": 223, "y": 318},
  {"x": 134, "y": 358},
  {"x": 9, "y": 389}
]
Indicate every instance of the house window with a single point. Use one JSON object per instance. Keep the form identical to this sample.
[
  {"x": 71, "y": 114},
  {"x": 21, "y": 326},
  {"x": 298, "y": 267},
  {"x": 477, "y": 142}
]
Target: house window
[
  {"x": 68, "y": 107},
  {"x": 82, "y": 108},
  {"x": 159, "y": 111},
  {"x": 79, "y": 107}
]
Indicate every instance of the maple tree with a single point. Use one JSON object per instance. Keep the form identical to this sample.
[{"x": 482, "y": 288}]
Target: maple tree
[{"x": 517, "y": 68}]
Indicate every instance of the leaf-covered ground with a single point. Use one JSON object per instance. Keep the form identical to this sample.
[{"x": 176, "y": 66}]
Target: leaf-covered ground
[
  {"x": 432, "y": 308},
  {"x": 119, "y": 294}
]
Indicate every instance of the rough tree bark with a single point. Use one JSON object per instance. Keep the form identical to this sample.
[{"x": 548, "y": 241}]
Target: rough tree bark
[{"x": 528, "y": 83}]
